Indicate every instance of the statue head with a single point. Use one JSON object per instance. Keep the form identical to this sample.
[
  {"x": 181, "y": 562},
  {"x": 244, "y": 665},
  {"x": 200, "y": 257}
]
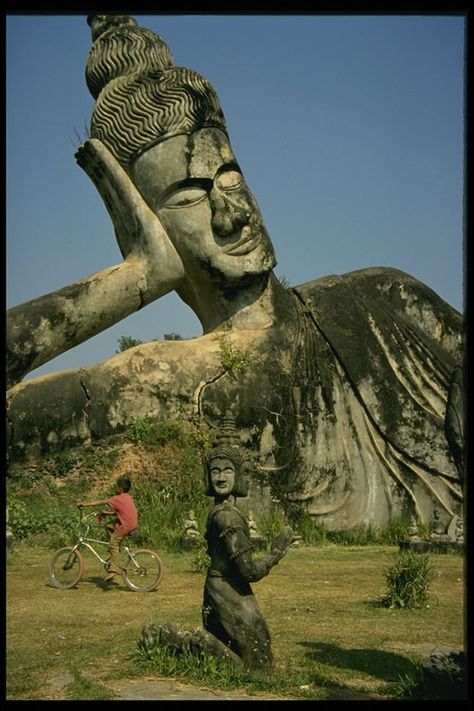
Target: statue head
[
  {"x": 227, "y": 454},
  {"x": 165, "y": 126}
]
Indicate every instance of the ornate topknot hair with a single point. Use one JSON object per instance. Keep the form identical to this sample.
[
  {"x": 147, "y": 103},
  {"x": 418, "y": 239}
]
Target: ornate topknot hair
[{"x": 141, "y": 97}]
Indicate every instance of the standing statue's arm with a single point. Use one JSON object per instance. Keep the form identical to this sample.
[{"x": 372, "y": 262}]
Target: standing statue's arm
[
  {"x": 253, "y": 569},
  {"x": 43, "y": 328}
]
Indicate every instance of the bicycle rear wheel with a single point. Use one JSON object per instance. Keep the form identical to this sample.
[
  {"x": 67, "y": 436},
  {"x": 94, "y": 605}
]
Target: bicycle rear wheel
[
  {"x": 143, "y": 570},
  {"x": 66, "y": 568}
]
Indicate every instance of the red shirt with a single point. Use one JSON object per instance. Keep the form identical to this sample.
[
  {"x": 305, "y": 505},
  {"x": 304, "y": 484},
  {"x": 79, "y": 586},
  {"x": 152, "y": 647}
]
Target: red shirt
[{"x": 126, "y": 512}]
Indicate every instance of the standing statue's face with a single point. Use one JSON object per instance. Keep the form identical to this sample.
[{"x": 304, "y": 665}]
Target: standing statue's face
[
  {"x": 194, "y": 184},
  {"x": 222, "y": 475}
]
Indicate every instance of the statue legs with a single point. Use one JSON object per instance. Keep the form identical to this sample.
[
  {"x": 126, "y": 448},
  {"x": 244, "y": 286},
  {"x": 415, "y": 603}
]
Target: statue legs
[{"x": 196, "y": 641}]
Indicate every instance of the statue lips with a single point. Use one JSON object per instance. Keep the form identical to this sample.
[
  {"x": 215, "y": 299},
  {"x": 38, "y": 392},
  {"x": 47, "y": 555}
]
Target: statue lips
[{"x": 247, "y": 242}]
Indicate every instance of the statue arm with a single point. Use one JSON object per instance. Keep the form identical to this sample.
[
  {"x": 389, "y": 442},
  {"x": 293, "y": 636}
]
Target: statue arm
[
  {"x": 43, "y": 328},
  {"x": 254, "y": 569}
]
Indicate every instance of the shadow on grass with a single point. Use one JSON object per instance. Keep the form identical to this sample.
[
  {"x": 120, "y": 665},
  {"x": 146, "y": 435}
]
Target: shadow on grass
[
  {"x": 103, "y": 584},
  {"x": 387, "y": 666}
]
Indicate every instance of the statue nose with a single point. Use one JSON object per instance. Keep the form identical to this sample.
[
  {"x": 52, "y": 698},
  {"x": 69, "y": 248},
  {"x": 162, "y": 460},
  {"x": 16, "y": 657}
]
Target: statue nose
[{"x": 228, "y": 213}]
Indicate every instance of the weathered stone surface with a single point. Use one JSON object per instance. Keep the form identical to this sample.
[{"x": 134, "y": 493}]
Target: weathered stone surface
[
  {"x": 444, "y": 677},
  {"x": 344, "y": 393}
]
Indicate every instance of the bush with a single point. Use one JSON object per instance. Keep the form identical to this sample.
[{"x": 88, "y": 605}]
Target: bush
[
  {"x": 233, "y": 359},
  {"x": 409, "y": 580},
  {"x": 304, "y": 526},
  {"x": 200, "y": 562},
  {"x": 164, "y": 499},
  {"x": 362, "y": 536},
  {"x": 156, "y": 433},
  {"x": 28, "y": 518},
  {"x": 101, "y": 459},
  {"x": 126, "y": 342},
  {"x": 271, "y": 525},
  {"x": 63, "y": 462},
  {"x": 138, "y": 429}
]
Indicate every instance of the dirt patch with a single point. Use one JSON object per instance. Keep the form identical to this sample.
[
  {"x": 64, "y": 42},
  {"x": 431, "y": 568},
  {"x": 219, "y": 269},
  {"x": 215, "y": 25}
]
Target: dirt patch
[
  {"x": 170, "y": 690},
  {"x": 157, "y": 689}
]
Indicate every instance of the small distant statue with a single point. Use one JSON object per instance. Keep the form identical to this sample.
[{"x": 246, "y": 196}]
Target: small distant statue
[
  {"x": 191, "y": 538},
  {"x": 438, "y": 528},
  {"x": 459, "y": 530},
  {"x": 9, "y": 532},
  {"x": 413, "y": 530},
  {"x": 234, "y": 627},
  {"x": 252, "y": 525},
  {"x": 190, "y": 526},
  {"x": 259, "y": 542},
  {"x": 455, "y": 529}
]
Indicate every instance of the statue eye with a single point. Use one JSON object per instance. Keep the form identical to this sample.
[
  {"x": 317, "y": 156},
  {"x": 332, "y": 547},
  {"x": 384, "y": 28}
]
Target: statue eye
[
  {"x": 184, "y": 197},
  {"x": 229, "y": 180}
]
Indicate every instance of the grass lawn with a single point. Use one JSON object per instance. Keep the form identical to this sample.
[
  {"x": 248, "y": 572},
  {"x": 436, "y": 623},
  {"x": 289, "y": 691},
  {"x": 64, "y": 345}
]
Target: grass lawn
[{"x": 329, "y": 634}]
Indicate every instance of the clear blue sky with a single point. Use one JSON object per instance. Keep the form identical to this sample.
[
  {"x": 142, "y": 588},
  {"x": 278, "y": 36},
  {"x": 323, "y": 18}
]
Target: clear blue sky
[{"x": 349, "y": 130}]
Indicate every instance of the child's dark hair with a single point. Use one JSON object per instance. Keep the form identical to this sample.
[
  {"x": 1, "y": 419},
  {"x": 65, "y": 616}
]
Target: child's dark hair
[{"x": 125, "y": 483}]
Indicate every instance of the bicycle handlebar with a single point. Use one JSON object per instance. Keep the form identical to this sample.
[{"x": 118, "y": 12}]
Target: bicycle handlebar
[{"x": 84, "y": 518}]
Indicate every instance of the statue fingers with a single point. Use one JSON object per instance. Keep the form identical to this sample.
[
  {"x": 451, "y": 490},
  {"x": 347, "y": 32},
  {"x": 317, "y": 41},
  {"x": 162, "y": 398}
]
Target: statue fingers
[
  {"x": 138, "y": 230},
  {"x": 115, "y": 187}
]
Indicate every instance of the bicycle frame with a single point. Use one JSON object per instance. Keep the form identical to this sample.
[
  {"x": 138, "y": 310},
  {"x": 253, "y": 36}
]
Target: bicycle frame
[{"x": 85, "y": 541}]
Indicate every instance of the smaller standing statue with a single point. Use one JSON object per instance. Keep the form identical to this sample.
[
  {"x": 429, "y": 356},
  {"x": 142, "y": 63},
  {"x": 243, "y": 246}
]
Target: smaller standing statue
[
  {"x": 234, "y": 627},
  {"x": 259, "y": 542},
  {"x": 413, "y": 530},
  {"x": 455, "y": 530},
  {"x": 191, "y": 537},
  {"x": 438, "y": 528}
]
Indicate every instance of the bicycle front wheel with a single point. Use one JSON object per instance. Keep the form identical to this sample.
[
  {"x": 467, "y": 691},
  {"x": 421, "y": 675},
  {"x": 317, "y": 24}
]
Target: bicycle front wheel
[
  {"x": 143, "y": 570},
  {"x": 66, "y": 568}
]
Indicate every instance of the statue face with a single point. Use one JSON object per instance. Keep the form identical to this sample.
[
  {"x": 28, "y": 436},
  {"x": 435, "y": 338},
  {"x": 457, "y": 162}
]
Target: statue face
[
  {"x": 194, "y": 184},
  {"x": 222, "y": 476}
]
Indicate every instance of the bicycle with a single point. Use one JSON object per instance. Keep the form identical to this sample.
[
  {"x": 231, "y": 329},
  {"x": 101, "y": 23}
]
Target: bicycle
[{"x": 141, "y": 571}]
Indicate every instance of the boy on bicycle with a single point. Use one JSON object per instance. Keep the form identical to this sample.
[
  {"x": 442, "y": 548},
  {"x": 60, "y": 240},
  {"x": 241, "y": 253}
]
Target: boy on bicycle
[{"x": 125, "y": 521}]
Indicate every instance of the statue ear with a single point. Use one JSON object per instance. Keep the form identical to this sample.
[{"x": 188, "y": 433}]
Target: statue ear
[{"x": 241, "y": 487}]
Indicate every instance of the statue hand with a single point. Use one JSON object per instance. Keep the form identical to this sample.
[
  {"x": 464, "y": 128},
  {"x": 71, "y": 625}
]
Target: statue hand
[
  {"x": 281, "y": 543},
  {"x": 138, "y": 230}
]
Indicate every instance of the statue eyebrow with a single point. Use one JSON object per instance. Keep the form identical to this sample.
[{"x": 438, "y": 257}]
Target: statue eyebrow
[
  {"x": 204, "y": 183},
  {"x": 228, "y": 166}
]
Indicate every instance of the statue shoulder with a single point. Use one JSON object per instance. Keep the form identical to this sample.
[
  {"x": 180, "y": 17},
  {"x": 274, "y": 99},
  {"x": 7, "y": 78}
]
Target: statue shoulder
[
  {"x": 226, "y": 516},
  {"x": 377, "y": 284}
]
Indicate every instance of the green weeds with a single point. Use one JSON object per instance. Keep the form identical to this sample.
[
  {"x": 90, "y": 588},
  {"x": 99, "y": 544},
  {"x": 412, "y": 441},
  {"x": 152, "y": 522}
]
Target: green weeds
[
  {"x": 233, "y": 359},
  {"x": 200, "y": 561},
  {"x": 408, "y": 580},
  {"x": 204, "y": 668}
]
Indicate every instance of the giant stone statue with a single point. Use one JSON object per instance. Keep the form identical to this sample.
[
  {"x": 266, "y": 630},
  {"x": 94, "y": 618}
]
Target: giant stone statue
[{"x": 345, "y": 396}]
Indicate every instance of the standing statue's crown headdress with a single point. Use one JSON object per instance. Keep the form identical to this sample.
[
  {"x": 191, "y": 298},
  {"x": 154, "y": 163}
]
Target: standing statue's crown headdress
[{"x": 141, "y": 97}]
